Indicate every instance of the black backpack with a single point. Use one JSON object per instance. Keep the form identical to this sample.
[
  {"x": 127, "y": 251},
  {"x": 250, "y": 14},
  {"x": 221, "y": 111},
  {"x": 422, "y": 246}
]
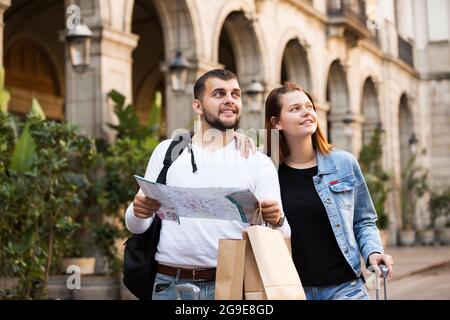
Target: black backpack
[{"x": 139, "y": 264}]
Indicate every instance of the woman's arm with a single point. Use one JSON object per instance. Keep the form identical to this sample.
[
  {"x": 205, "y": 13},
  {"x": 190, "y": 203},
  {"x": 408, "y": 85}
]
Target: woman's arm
[{"x": 365, "y": 217}]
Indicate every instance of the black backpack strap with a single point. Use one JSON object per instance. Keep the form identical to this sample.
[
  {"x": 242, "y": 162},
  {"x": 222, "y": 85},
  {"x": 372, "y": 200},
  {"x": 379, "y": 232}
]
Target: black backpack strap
[
  {"x": 139, "y": 266},
  {"x": 176, "y": 147}
]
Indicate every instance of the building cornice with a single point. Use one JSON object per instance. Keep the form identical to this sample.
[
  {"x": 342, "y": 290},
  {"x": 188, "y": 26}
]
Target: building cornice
[
  {"x": 308, "y": 9},
  {"x": 402, "y": 65},
  {"x": 435, "y": 76}
]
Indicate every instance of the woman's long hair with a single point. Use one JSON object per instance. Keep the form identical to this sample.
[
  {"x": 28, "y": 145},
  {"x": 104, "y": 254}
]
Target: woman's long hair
[{"x": 273, "y": 109}]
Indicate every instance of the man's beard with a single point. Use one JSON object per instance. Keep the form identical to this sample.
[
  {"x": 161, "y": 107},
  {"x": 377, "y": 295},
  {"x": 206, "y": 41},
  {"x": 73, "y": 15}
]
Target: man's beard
[{"x": 216, "y": 123}]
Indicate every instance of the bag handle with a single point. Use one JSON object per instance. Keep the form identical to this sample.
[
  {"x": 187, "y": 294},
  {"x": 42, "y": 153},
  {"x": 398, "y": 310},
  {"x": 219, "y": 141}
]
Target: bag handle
[{"x": 257, "y": 218}]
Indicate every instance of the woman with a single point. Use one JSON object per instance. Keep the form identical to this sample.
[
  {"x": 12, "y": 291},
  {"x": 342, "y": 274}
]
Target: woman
[{"x": 325, "y": 200}]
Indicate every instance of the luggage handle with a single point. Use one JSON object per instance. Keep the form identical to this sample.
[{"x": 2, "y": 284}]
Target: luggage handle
[{"x": 384, "y": 275}]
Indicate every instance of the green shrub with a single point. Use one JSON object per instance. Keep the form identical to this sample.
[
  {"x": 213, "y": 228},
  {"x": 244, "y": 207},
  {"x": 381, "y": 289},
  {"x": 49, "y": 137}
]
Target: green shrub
[
  {"x": 115, "y": 184},
  {"x": 378, "y": 181},
  {"x": 440, "y": 205},
  {"x": 40, "y": 199}
]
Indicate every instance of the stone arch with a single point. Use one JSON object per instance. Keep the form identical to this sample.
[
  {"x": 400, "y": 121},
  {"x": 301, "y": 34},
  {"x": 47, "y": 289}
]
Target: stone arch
[
  {"x": 227, "y": 8},
  {"x": 146, "y": 71},
  {"x": 240, "y": 51},
  {"x": 175, "y": 32},
  {"x": 245, "y": 47},
  {"x": 179, "y": 31},
  {"x": 370, "y": 109},
  {"x": 295, "y": 65},
  {"x": 34, "y": 57},
  {"x": 175, "y": 17},
  {"x": 337, "y": 96},
  {"x": 31, "y": 73}
]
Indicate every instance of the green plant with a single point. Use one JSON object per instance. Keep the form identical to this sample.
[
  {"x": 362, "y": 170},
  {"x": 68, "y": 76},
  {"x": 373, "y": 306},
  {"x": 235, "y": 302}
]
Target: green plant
[
  {"x": 115, "y": 184},
  {"x": 414, "y": 186},
  {"x": 440, "y": 205},
  {"x": 43, "y": 184},
  {"x": 4, "y": 94},
  {"x": 7, "y": 130},
  {"x": 378, "y": 181},
  {"x": 7, "y": 138},
  {"x": 129, "y": 125}
]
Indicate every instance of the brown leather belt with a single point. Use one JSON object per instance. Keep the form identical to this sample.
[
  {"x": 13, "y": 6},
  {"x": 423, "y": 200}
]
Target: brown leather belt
[{"x": 190, "y": 274}]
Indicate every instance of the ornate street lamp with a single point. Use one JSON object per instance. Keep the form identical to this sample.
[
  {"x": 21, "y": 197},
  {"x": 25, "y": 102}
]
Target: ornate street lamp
[
  {"x": 255, "y": 94},
  {"x": 78, "y": 40},
  {"x": 381, "y": 127},
  {"x": 179, "y": 66},
  {"x": 413, "y": 143},
  {"x": 348, "y": 120}
]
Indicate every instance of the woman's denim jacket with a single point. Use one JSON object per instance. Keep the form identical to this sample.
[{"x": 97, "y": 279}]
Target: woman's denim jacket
[{"x": 343, "y": 190}]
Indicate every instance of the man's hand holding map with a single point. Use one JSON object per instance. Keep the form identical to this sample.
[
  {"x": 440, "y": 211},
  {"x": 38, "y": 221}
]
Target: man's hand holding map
[{"x": 207, "y": 203}]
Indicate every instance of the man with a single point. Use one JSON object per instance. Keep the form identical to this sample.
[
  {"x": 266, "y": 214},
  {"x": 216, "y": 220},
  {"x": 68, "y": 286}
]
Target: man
[{"x": 191, "y": 247}]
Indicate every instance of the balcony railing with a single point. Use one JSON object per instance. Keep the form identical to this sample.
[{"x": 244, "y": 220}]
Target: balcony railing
[
  {"x": 405, "y": 51},
  {"x": 350, "y": 9}
]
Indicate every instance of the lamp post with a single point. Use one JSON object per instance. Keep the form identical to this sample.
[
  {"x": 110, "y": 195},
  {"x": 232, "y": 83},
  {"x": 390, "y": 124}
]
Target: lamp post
[
  {"x": 179, "y": 66},
  {"x": 255, "y": 94},
  {"x": 78, "y": 40},
  {"x": 348, "y": 130},
  {"x": 413, "y": 143}
]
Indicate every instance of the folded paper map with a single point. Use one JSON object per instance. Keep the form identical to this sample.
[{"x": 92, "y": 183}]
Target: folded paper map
[{"x": 207, "y": 203}]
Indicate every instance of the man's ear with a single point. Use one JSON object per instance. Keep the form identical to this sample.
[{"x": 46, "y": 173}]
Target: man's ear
[
  {"x": 197, "y": 106},
  {"x": 275, "y": 123}
]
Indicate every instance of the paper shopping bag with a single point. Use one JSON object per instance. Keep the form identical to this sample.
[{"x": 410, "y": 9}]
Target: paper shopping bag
[
  {"x": 230, "y": 270},
  {"x": 253, "y": 286},
  {"x": 276, "y": 268}
]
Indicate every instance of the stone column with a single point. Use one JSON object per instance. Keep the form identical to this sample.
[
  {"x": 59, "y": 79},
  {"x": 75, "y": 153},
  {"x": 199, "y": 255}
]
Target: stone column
[
  {"x": 346, "y": 136},
  {"x": 4, "y": 4},
  {"x": 179, "y": 112},
  {"x": 322, "y": 110}
]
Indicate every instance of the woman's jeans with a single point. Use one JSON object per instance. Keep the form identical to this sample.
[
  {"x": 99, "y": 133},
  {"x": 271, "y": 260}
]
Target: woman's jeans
[
  {"x": 352, "y": 290},
  {"x": 164, "y": 288}
]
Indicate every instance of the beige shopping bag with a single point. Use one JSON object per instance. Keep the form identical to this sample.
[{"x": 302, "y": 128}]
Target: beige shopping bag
[
  {"x": 230, "y": 270},
  {"x": 253, "y": 286},
  {"x": 277, "y": 271}
]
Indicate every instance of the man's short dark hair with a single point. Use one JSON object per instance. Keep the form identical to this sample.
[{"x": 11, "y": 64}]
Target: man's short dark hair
[{"x": 222, "y": 74}]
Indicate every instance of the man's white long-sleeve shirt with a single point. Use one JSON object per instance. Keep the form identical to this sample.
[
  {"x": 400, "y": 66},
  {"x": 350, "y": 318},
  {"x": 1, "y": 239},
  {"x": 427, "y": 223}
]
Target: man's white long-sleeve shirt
[{"x": 194, "y": 242}]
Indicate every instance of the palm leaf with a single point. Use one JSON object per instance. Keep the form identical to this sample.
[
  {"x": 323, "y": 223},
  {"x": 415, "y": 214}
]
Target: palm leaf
[
  {"x": 36, "y": 110},
  {"x": 155, "y": 112},
  {"x": 4, "y": 94},
  {"x": 24, "y": 152}
]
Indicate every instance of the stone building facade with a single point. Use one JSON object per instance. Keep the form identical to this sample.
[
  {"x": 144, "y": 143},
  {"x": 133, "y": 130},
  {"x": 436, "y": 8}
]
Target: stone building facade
[{"x": 366, "y": 63}]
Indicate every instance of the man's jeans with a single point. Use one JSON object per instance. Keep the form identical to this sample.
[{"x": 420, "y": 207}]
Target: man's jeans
[
  {"x": 164, "y": 288},
  {"x": 352, "y": 290},
  {"x": 165, "y": 285}
]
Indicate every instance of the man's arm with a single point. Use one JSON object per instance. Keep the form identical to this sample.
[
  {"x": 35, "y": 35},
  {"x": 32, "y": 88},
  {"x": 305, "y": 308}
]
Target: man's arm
[
  {"x": 134, "y": 220},
  {"x": 268, "y": 188}
]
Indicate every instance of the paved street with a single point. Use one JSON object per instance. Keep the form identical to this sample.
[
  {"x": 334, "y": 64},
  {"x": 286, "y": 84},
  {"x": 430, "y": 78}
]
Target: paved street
[
  {"x": 430, "y": 285},
  {"x": 420, "y": 273}
]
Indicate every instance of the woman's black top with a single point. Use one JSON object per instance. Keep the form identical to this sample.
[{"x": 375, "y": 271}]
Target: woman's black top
[{"x": 315, "y": 251}]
